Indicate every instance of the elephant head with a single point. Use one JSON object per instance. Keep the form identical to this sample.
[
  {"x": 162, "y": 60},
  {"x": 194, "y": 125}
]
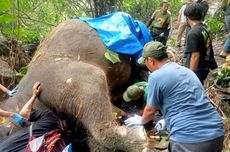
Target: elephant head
[{"x": 76, "y": 79}]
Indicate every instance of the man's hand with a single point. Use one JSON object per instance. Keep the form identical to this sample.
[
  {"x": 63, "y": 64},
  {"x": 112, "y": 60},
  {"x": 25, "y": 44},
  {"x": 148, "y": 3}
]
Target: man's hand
[
  {"x": 26, "y": 109},
  {"x": 160, "y": 126},
  {"x": 36, "y": 88},
  {"x": 12, "y": 92},
  {"x": 136, "y": 120}
]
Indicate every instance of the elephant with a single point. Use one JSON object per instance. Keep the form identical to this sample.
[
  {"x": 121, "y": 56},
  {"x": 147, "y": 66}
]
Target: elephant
[{"x": 77, "y": 79}]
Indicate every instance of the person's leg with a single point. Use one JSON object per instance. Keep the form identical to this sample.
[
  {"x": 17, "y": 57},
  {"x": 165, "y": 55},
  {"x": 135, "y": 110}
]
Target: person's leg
[
  {"x": 227, "y": 22},
  {"x": 165, "y": 37},
  {"x": 202, "y": 74},
  {"x": 215, "y": 145},
  {"x": 227, "y": 44},
  {"x": 226, "y": 51},
  {"x": 180, "y": 32}
]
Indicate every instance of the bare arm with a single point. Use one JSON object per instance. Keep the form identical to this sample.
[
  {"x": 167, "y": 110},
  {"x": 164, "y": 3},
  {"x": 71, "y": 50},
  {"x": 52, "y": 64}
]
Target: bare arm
[
  {"x": 4, "y": 89},
  {"x": 148, "y": 114},
  {"x": 26, "y": 109},
  {"x": 4, "y": 113},
  {"x": 194, "y": 61}
]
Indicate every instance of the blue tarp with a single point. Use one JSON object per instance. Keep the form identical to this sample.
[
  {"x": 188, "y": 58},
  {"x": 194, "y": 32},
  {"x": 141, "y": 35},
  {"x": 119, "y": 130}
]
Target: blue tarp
[{"x": 121, "y": 33}]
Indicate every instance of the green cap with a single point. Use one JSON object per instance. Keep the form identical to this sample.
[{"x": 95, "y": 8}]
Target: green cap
[
  {"x": 152, "y": 49},
  {"x": 132, "y": 92}
]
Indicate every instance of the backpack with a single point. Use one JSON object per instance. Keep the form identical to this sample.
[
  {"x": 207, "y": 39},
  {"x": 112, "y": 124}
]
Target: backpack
[
  {"x": 209, "y": 58},
  {"x": 49, "y": 142}
]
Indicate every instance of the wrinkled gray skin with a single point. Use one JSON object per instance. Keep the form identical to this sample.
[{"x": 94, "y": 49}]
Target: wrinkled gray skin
[{"x": 76, "y": 79}]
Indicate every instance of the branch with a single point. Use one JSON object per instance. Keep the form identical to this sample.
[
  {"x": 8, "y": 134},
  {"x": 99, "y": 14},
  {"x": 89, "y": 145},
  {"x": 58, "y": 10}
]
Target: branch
[
  {"x": 28, "y": 17},
  {"x": 78, "y": 6}
]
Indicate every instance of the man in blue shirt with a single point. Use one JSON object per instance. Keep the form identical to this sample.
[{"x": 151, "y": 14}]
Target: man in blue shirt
[{"x": 194, "y": 124}]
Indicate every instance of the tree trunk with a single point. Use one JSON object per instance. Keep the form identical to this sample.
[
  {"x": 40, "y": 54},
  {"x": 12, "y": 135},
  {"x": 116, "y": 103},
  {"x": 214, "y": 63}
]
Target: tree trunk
[{"x": 102, "y": 7}]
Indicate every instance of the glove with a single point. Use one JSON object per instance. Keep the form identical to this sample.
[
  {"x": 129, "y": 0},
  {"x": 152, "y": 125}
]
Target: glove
[
  {"x": 160, "y": 126},
  {"x": 136, "y": 120},
  {"x": 12, "y": 92},
  {"x": 162, "y": 34},
  {"x": 68, "y": 148},
  {"x": 18, "y": 120}
]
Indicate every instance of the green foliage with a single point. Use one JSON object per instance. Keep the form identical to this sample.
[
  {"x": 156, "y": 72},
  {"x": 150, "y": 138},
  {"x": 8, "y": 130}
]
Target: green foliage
[
  {"x": 174, "y": 7},
  {"x": 216, "y": 21},
  {"x": 9, "y": 21},
  {"x": 31, "y": 36},
  {"x": 215, "y": 24},
  {"x": 143, "y": 9},
  {"x": 223, "y": 78},
  {"x": 112, "y": 56},
  {"x": 21, "y": 72},
  {"x": 5, "y": 5},
  {"x": 7, "y": 18},
  {"x": 30, "y": 20},
  {"x": 172, "y": 42}
]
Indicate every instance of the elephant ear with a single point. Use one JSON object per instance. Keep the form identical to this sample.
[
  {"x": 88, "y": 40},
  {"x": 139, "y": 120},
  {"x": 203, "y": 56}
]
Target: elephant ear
[{"x": 112, "y": 56}]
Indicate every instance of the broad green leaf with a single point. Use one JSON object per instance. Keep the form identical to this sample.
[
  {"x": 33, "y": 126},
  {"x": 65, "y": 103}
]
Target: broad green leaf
[
  {"x": 20, "y": 32},
  {"x": 112, "y": 56},
  {"x": 5, "y": 5},
  {"x": 22, "y": 71},
  {"x": 14, "y": 32},
  {"x": 7, "y": 30},
  {"x": 7, "y": 18}
]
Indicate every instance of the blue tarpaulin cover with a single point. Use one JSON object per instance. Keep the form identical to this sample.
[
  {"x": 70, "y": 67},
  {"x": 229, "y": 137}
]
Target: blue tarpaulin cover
[{"x": 121, "y": 33}]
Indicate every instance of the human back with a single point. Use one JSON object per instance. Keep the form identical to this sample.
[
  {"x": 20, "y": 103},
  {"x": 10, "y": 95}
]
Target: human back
[
  {"x": 197, "y": 43},
  {"x": 194, "y": 124},
  {"x": 184, "y": 105}
]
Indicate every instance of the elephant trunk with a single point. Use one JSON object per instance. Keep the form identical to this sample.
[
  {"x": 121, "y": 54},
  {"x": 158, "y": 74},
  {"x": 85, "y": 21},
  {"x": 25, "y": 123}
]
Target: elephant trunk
[{"x": 128, "y": 139}]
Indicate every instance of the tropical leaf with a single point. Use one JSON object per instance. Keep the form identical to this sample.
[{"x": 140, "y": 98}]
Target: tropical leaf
[
  {"x": 5, "y": 5},
  {"x": 112, "y": 56},
  {"x": 7, "y": 18},
  {"x": 22, "y": 71}
]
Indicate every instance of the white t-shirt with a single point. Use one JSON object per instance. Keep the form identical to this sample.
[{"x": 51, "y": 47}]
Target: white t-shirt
[{"x": 183, "y": 18}]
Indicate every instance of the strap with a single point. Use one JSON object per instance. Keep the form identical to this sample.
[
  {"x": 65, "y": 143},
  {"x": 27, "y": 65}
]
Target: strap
[
  {"x": 206, "y": 31},
  {"x": 31, "y": 129},
  {"x": 211, "y": 49},
  {"x": 210, "y": 53}
]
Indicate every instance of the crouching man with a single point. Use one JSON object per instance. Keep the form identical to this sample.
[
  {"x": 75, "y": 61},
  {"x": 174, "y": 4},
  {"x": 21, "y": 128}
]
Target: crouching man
[{"x": 194, "y": 124}]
